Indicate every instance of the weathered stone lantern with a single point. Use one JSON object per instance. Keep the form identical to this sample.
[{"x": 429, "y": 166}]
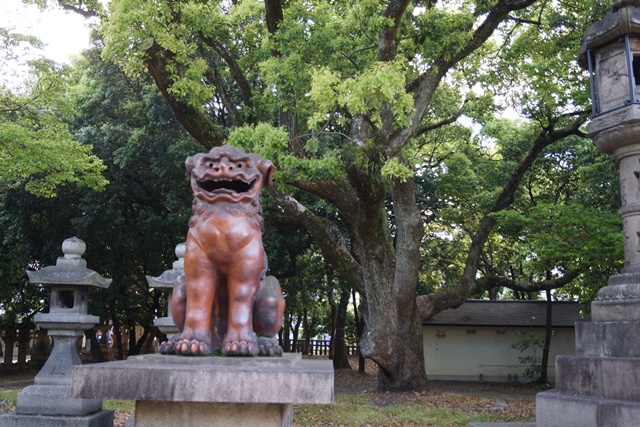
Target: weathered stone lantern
[
  {"x": 164, "y": 283},
  {"x": 598, "y": 386},
  {"x": 611, "y": 53},
  {"x": 49, "y": 400},
  {"x": 611, "y": 50}
]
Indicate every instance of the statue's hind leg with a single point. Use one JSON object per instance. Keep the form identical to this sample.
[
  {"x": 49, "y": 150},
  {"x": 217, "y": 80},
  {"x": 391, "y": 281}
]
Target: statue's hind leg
[{"x": 268, "y": 310}]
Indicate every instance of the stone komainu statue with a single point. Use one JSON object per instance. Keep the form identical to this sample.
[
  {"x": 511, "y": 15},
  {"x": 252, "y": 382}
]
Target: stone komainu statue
[{"x": 224, "y": 301}]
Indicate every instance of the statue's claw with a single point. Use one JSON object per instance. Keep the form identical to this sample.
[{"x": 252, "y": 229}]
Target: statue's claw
[
  {"x": 167, "y": 347},
  {"x": 240, "y": 345},
  {"x": 193, "y": 347},
  {"x": 269, "y": 347},
  {"x": 187, "y": 345}
]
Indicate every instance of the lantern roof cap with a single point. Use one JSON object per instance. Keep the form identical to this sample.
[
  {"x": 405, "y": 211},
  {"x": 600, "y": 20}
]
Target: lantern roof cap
[
  {"x": 623, "y": 19},
  {"x": 619, "y": 4},
  {"x": 70, "y": 269}
]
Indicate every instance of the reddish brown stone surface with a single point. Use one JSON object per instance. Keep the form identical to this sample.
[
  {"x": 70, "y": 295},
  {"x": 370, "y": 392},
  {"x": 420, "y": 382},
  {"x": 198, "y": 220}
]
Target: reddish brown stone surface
[{"x": 224, "y": 301}]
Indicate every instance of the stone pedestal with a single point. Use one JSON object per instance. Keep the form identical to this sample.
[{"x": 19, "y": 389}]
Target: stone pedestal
[
  {"x": 600, "y": 385},
  {"x": 209, "y": 391}
]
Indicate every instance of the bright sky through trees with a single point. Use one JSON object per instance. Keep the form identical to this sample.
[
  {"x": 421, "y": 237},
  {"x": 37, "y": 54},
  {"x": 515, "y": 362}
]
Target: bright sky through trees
[{"x": 64, "y": 33}]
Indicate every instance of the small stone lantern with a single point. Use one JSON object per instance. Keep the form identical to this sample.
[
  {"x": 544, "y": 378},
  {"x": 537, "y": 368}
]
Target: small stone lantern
[
  {"x": 50, "y": 396},
  {"x": 164, "y": 282},
  {"x": 611, "y": 52}
]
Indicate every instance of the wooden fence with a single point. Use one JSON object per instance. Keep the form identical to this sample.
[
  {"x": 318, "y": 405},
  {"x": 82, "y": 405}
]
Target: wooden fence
[{"x": 321, "y": 348}]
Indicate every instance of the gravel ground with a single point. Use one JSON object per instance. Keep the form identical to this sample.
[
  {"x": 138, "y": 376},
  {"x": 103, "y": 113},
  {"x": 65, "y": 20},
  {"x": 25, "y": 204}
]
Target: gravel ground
[{"x": 353, "y": 381}]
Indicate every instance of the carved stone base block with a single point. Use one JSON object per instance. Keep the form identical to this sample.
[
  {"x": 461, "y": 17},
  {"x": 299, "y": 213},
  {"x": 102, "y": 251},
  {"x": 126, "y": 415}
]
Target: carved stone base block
[
  {"x": 600, "y": 385},
  {"x": 209, "y": 391},
  {"x": 54, "y": 400},
  {"x": 97, "y": 419},
  {"x": 170, "y": 414},
  {"x": 619, "y": 300}
]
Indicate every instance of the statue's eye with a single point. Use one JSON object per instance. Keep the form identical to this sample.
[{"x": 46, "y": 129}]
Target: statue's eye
[
  {"x": 240, "y": 165},
  {"x": 210, "y": 164}
]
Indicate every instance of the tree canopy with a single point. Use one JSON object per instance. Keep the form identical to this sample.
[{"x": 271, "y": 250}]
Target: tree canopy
[
  {"x": 383, "y": 121},
  {"x": 37, "y": 150}
]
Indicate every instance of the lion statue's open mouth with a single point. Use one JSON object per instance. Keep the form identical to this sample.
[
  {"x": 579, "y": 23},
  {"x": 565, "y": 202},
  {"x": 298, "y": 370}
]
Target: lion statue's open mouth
[
  {"x": 225, "y": 176},
  {"x": 227, "y": 186}
]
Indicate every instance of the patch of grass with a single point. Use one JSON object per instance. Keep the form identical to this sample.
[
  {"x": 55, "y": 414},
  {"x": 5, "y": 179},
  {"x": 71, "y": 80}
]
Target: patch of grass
[
  {"x": 369, "y": 409},
  {"x": 123, "y": 405},
  {"x": 425, "y": 410},
  {"x": 11, "y": 396}
]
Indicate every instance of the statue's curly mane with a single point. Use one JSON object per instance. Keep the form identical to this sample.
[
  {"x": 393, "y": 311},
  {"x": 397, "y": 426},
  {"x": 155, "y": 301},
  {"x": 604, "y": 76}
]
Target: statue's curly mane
[{"x": 253, "y": 212}]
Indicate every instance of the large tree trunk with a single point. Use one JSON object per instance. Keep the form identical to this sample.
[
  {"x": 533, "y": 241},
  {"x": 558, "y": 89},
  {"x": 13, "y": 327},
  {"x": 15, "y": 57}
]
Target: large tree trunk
[
  {"x": 393, "y": 331},
  {"x": 340, "y": 359}
]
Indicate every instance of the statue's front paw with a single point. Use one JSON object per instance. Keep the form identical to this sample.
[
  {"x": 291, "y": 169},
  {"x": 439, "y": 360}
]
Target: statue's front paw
[
  {"x": 240, "y": 345},
  {"x": 239, "y": 348},
  {"x": 187, "y": 344},
  {"x": 193, "y": 347}
]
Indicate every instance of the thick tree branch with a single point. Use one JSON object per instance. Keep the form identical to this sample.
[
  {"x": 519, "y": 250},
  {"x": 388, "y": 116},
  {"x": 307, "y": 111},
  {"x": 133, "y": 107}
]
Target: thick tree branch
[
  {"x": 495, "y": 17},
  {"x": 467, "y": 284},
  {"x": 430, "y": 305},
  {"x": 339, "y": 193},
  {"x": 332, "y": 245},
  {"x": 207, "y": 133},
  {"x": 387, "y": 37},
  {"x": 236, "y": 72},
  {"x": 273, "y": 15},
  {"x": 426, "y": 84},
  {"x": 486, "y": 283}
]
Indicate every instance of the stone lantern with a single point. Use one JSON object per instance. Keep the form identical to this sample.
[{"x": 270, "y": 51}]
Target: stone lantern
[
  {"x": 598, "y": 386},
  {"x": 611, "y": 50},
  {"x": 164, "y": 283},
  {"x": 49, "y": 400}
]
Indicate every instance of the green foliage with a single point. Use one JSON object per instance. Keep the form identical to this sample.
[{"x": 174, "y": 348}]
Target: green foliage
[
  {"x": 271, "y": 143},
  {"x": 529, "y": 346},
  {"x": 571, "y": 236},
  {"x": 446, "y": 29},
  {"x": 37, "y": 150},
  {"x": 383, "y": 83}
]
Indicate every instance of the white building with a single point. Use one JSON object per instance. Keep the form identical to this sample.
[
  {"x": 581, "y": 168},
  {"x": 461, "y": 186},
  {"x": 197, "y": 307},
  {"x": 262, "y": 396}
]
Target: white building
[{"x": 474, "y": 342}]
